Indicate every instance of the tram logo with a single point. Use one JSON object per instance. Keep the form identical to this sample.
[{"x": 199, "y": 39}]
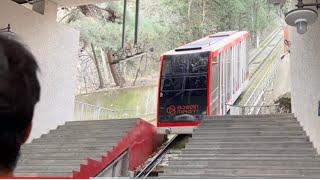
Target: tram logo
[
  {"x": 182, "y": 109},
  {"x": 172, "y": 110}
]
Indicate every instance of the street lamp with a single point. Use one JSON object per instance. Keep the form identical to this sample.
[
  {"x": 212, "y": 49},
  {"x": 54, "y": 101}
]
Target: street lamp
[{"x": 302, "y": 17}]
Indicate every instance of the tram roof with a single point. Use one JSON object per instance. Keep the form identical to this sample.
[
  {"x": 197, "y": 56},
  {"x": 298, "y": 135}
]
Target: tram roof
[{"x": 214, "y": 42}]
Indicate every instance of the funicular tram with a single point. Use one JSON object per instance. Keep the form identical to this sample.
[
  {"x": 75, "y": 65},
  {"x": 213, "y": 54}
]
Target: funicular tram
[{"x": 201, "y": 78}]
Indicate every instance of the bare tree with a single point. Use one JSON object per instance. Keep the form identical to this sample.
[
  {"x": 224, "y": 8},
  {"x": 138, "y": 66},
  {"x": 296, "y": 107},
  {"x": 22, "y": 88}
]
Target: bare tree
[
  {"x": 115, "y": 74},
  {"x": 96, "y": 62}
]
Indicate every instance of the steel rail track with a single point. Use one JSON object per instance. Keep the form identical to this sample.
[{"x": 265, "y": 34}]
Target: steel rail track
[
  {"x": 145, "y": 172},
  {"x": 255, "y": 70},
  {"x": 265, "y": 58},
  {"x": 274, "y": 35}
]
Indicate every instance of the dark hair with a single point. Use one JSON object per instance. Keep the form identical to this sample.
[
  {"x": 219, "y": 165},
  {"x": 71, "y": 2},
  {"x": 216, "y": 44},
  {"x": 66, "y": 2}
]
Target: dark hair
[{"x": 19, "y": 93}]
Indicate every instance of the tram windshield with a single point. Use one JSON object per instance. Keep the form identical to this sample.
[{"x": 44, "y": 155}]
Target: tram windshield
[{"x": 183, "y": 88}]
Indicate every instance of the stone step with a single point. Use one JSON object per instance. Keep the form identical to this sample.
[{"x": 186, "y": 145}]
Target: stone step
[
  {"x": 241, "y": 172},
  {"x": 214, "y": 176},
  {"x": 64, "y": 150},
  {"x": 216, "y": 166},
  {"x": 98, "y": 122},
  {"x": 66, "y": 156},
  {"x": 214, "y": 155},
  {"x": 96, "y": 145},
  {"x": 251, "y": 121},
  {"x": 277, "y": 128},
  {"x": 247, "y": 146},
  {"x": 258, "y": 117},
  {"x": 25, "y": 162},
  {"x": 205, "y": 150},
  {"x": 42, "y": 168},
  {"x": 87, "y": 135},
  {"x": 253, "y": 125},
  {"x": 194, "y": 143},
  {"x": 251, "y": 138},
  {"x": 56, "y": 140},
  {"x": 246, "y": 163},
  {"x": 86, "y": 132},
  {"x": 252, "y": 133},
  {"x": 253, "y": 142},
  {"x": 250, "y": 125},
  {"x": 46, "y": 174},
  {"x": 244, "y": 158},
  {"x": 93, "y": 127}
]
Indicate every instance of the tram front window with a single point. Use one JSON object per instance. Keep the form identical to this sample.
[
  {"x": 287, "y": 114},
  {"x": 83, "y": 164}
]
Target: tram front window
[{"x": 183, "y": 90}]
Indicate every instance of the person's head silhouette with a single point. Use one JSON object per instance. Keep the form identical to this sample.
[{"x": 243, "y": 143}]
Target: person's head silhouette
[{"x": 19, "y": 93}]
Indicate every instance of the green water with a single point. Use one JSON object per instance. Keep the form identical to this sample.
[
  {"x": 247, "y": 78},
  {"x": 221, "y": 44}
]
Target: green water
[{"x": 128, "y": 102}]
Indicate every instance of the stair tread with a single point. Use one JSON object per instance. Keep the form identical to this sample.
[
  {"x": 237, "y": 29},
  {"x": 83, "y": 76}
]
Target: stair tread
[{"x": 246, "y": 146}]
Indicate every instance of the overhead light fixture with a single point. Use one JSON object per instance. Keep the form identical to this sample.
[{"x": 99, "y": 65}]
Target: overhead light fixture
[{"x": 302, "y": 17}]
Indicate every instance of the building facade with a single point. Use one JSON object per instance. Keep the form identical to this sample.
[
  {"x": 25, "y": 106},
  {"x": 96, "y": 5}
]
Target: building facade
[
  {"x": 305, "y": 79},
  {"x": 55, "y": 47}
]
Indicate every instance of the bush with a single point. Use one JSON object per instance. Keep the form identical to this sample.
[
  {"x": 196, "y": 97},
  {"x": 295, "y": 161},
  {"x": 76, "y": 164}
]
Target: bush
[{"x": 284, "y": 102}]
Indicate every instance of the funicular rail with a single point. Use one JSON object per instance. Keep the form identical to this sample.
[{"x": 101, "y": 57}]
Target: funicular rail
[
  {"x": 145, "y": 172},
  {"x": 265, "y": 44},
  {"x": 258, "y": 61},
  {"x": 252, "y": 101}
]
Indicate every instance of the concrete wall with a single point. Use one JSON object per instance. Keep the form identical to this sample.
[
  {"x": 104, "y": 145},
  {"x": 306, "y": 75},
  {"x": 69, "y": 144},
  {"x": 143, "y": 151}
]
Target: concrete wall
[
  {"x": 305, "y": 74},
  {"x": 56, "y": 49},
  {"x": 282, "y": 81}
]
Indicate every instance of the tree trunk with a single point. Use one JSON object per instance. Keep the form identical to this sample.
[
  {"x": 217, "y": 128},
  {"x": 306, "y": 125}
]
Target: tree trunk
[
  {"x": 113, "y": 69},
  {"x": 203, "y": 16},
  {"x": 85, "y": 85},
  {"x": 255, "y": 23},
  {"x": 189, "y": 10},
  {"x": 138, "y": 71},
  {"x": 105, "y": 66},
  {"x": 203, "y": 11},
  {"x": 96, "y": 62}
]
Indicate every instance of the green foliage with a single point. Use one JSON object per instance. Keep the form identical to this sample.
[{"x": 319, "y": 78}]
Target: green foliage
[
  {"x": 105, "y": 35},
  {"x": 165, "y": 24}
]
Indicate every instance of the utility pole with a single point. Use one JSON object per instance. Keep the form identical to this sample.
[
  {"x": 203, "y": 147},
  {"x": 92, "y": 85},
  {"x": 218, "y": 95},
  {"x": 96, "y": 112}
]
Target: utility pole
[
  {"x": 124, "y": 23},
  {"x": 136, "y": 22}
]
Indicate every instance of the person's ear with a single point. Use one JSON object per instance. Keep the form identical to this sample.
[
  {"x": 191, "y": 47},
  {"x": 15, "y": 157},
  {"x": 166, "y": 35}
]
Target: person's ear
[{"x": 27, "y": 133}]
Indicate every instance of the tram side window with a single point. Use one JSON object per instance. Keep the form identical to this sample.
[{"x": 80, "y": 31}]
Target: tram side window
[
  {"x": 172, "y": 83},
  {"x": 196, "y": 82},
  {"x": 179, "y": 66},
  {"x": 215, "y": 101},
  {"x": 247, "y": 57},
  {"x": 239, "y": 65},
  {"x": 198, "y": 65},
  {"x": 229, "y": 73},
  {"x": 243, "y": 60}
]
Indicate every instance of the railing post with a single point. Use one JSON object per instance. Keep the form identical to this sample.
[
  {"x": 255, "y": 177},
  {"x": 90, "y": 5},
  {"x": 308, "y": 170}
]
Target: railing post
[
  {"x": 98, "y": 115},
  {"x": 82, "y": 111}
]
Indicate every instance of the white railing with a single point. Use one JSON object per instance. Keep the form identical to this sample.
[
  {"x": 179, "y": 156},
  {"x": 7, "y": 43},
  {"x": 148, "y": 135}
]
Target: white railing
[
  {"x": 263, "y": 109},
  {"x": 85, "y": 111}
]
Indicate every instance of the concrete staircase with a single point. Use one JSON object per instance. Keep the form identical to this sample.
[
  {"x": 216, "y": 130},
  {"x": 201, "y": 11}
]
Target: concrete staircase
[
  {"x": 256, "y": 146},
  {"x": 63, "y": 150}
]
